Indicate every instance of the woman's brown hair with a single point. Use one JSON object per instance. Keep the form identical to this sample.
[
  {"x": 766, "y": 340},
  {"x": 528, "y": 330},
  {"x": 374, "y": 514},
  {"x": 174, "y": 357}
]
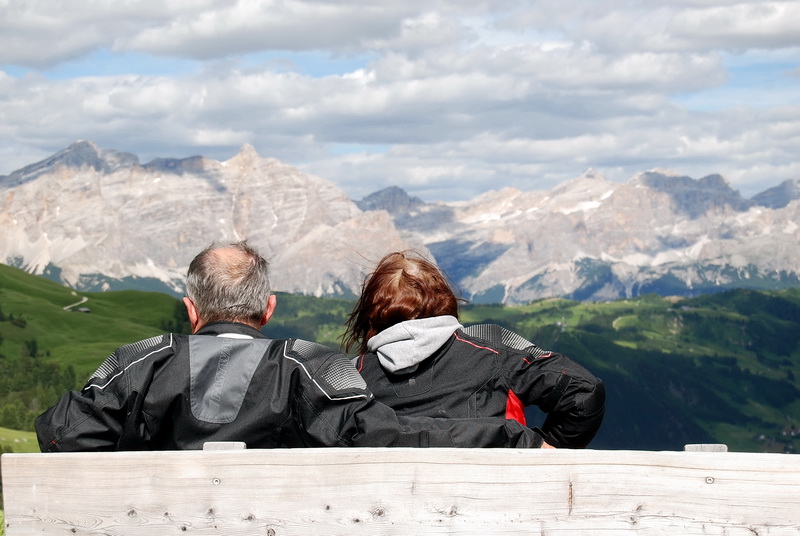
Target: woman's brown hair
[{"x": 403, "y": 286}]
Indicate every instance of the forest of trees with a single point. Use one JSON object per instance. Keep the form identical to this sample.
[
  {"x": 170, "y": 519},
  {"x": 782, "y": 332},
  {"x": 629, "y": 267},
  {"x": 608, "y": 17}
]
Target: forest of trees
[{"x": 27, "y": 384}]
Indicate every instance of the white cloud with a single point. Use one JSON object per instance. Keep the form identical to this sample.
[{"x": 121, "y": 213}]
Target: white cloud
[
  {"x": 740, "y": 26},
  {"x": 690, "y": 26},
  {"x": 246, "y": 26},
  {"x": 478, "y": 94},
  {"x": 41, "y": 33}
]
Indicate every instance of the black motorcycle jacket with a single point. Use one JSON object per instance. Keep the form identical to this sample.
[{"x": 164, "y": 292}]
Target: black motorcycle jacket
[
  {"x": 482, "y": 371},
  {"x": 229, "y": 382}
]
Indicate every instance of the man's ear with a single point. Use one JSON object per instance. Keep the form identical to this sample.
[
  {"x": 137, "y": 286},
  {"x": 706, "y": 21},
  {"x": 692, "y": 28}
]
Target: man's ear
[
  {"x": 191, "y": 310},
  {"x": 272, "y": 301}
]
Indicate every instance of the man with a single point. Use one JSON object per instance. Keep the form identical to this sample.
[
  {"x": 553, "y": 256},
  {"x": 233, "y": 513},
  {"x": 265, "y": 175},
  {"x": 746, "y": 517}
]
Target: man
[{"x": 228, "y": 382}]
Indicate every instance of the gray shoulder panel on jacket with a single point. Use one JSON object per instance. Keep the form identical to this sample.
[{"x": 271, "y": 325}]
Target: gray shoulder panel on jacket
[
  {"x": 124, "y": 354},
  {"x": 331, "y": 371},
  {"x": 500, "y": 335}
]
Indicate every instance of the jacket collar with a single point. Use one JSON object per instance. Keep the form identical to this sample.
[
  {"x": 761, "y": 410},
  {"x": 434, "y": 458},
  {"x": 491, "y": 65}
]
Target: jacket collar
[{"x": 234, "y": 329}]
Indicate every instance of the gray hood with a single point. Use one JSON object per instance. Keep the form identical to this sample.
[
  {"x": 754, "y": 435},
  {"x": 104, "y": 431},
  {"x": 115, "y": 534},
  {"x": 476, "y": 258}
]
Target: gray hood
[{"x": 403, "y": 346}]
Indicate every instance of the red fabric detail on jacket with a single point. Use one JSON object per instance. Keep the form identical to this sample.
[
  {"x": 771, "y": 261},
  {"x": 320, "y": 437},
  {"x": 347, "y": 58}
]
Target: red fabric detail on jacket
[
  {"x": 475, "y": 345},
  {"x": 543, "y": 356},
  {"x": 515, "y": 410}
]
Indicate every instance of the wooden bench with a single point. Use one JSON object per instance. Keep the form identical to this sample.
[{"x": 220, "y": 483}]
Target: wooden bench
[{"x": 402, "y": 491}]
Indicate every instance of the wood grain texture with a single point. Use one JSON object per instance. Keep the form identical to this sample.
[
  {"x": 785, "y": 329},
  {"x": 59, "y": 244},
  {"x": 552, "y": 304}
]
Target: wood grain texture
[{"x": 402, "y": 491}]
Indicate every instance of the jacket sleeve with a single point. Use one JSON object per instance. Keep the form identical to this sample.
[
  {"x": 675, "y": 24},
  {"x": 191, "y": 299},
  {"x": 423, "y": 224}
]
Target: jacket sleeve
[
  {"x": 96, "y": 418},
  {"x": 571, "y": 396},
  {"x": 336, "y": 409},
  {"x": 90, "y": 419}
]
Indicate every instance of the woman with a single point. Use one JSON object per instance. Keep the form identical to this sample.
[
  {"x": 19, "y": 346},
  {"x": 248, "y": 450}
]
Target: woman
[{"x": 417, "y": 358}]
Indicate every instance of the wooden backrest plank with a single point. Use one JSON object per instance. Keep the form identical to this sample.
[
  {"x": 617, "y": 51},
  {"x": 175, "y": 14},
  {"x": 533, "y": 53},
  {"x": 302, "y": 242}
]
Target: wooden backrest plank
[{"x": 401, "y": 491}]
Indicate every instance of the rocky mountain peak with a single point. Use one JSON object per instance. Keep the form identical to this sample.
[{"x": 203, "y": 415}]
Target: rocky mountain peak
[
  {"x": 78, "y": 155},
  {"x": 694, "y": 197},
  {"x": 663, "y": 171},
  {"x": 779, "y": 196},
  {"x": 246, "y": 157},
  {"x": 592, "y": 174},
  {"x": 393, "y": 200},
  {"x": 670, "y": 182},
  {"x": 589, "y": 188},
  {"x": 715, "y": 182}
]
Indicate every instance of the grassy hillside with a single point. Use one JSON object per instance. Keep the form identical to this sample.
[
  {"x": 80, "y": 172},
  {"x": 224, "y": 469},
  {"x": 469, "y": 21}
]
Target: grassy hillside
[
  {"x": 719, "y": 368},
  {"x": 306, "y": 317},
  {"x": 17, "y": 441},
  {"x": 45, "y": 349},
  {"x": 33, "y": 308}
]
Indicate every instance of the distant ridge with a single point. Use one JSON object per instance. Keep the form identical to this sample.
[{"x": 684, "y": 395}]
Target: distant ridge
[
  {"x": 779, "y": 196},
  {"x": 79, "y": 154},
  {"x": 593, "y": 239},
  {"x": 696, "y": 197},
  {"x": 393, "y": 199},
  {"x": 98, "y": 219}
]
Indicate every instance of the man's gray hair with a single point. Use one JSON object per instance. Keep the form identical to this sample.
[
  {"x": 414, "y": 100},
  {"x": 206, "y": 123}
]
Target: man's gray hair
[{"x": 229, "y": 286}]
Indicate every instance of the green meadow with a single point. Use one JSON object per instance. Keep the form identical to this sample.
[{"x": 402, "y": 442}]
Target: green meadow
[
  {"x": 715, "y": 368},
  {"x": 33, "y": 308},
  {"x": 17, "y": 441}
]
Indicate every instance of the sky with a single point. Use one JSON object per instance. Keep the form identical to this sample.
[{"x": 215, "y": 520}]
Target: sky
[{"x": 446, "y": 99}]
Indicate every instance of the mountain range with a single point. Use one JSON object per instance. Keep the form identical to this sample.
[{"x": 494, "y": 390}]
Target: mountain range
[
  {"x": 98, "y": 219},
  {"x": 594, "y": 239}
]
